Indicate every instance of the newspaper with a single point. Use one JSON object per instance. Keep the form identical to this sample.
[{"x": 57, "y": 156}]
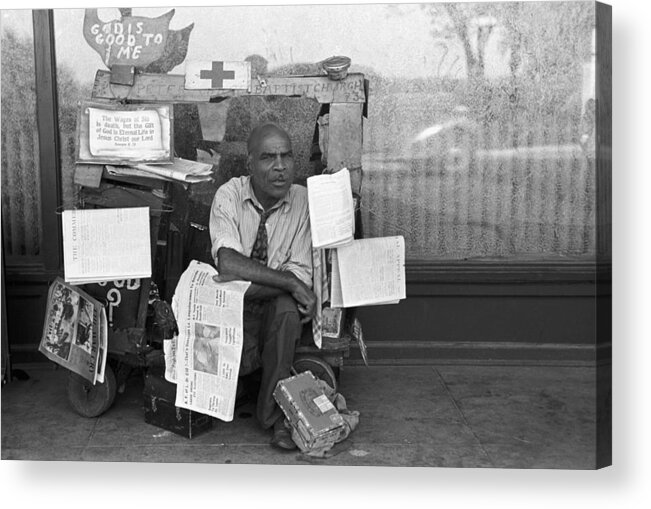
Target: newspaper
[
  {"x": 130, "y": 171},
  {"x": 182, "y": 170},
  {"x": 209, "y": 343},
  {"x": 369, "y": 272},
  {"x": 106, "y": 244},
  {"x": 331, "y": 207},
  {"x": 74, "y": 332}
]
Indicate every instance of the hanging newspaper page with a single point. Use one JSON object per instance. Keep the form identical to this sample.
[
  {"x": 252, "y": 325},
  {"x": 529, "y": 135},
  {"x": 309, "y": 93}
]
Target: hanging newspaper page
[
  {"x": 209, "y": 317},
  {"x": 331, "y": 206},
  {"x": 72, "y": 332},
  {"x": 369, "y": 272},
  {"x": 106, "y": 244}
]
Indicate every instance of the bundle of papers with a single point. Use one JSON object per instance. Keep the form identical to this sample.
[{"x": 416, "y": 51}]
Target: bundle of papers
[
  {"x": 368, "y": 272},
  {"x": 75, "y": 332},
  {"x": 365, "y": 272},
  {"x": 106, "y": 244},
  {"x": 181, "y": 170},
  {"x": 332, "y": 212}
]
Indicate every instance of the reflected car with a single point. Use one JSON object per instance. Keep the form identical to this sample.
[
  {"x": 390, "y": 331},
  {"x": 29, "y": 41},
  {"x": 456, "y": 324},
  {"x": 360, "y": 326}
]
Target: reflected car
[
  {"x": 454, "y": 145},
  {"x": 451, "y": 144}
]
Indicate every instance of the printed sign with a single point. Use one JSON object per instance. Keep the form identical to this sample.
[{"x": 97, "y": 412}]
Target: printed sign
[
  {"x": 130, "y": 40},
  {"x": 112, "y": 131},
  {"x": 200, "y": 75},
  {"x": 125, "y": 134}
]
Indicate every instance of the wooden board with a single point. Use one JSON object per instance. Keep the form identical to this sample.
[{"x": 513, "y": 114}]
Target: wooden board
[
  {"x": 171, "y": 88},
  {"x": 345, "y": 140},
  {"x": 88, "y": 175}
]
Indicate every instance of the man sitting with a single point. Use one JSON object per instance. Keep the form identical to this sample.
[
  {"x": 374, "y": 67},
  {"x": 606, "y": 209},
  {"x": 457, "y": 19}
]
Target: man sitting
[{"x": 260, "y": 232}]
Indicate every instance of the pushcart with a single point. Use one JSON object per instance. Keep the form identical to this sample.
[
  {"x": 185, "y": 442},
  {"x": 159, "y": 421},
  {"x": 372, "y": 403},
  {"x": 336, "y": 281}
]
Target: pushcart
[{"x": 141, "y": 318}]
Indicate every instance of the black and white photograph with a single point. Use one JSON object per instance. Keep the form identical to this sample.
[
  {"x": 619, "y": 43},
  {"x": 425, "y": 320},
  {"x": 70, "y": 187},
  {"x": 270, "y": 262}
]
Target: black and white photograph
[
  {"x": 413, "y": 202},
  {"x": 205, "y": 348}
]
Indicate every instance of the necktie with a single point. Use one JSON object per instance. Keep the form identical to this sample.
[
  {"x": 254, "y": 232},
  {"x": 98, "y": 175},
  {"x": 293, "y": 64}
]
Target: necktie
[{"x": 261, "y": 244}]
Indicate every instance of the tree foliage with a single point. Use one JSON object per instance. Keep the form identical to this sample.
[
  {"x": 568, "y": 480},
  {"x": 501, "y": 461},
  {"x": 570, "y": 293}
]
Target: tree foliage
[
  {"x": 546, "y": 49},
  {"x": 539, "y": 39},
  {"x": 19, "y": 100}
]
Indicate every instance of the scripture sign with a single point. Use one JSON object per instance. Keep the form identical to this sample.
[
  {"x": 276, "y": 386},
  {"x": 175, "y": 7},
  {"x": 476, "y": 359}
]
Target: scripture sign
[
  {"x": 131, "y": 40},
  {"x": 112, "y": 131},
  {"x": 125, "y": 134}
]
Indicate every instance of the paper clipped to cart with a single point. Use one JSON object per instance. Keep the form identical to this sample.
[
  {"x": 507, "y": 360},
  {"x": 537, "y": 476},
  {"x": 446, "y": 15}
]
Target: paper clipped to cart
[
  {"x": 368, "y": 272},
  {"x": 75, "y": 332},
  {"x": 331, "y": 207},
  {"x": 106, "y": 244}
]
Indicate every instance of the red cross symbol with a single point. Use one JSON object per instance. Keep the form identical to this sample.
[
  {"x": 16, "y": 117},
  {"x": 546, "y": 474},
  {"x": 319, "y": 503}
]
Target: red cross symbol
[{"x": 217, "y": 75}]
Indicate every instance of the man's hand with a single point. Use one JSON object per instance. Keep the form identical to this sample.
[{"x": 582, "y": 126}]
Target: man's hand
[
  {"x": 305, "y": 299},
  {"x": 225, "y": 278},
  {"x": 266, "y": 282}
]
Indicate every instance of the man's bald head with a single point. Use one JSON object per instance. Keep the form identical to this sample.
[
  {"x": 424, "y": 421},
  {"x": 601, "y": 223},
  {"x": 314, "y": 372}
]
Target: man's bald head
[{"x": 260, "y": 132}]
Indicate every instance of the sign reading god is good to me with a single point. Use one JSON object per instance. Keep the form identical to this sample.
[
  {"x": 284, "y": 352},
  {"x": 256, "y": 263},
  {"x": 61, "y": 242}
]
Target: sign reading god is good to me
[
  {"x": 127, "y": 134},
  {"x": 131, "y": 40}
]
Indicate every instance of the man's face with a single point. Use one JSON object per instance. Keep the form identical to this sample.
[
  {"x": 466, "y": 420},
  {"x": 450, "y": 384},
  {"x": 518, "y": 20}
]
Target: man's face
[{"x": 271, "y": 164}]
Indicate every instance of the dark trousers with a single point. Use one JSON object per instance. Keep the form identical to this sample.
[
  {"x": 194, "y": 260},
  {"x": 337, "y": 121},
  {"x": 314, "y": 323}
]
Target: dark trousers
[{"x": 272, "y": 330}]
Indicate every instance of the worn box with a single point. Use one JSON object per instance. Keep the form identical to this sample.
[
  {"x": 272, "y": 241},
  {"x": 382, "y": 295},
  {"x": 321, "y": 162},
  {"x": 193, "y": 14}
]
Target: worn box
[
  {"x": 309, "y": 411},
  {"x": 160, "y": 410}
]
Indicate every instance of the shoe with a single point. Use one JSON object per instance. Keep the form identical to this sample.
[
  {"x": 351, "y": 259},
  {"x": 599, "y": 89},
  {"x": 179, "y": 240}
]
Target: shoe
[
  {"x": 282, "y": 438},
  {"x": 241, "y": 395}
]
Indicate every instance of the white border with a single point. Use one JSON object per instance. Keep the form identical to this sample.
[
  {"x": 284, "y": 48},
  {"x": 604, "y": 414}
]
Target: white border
[{"x": 624, "y": 485}]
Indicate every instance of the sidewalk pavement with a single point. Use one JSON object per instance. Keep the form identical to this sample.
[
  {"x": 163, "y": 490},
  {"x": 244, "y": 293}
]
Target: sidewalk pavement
[{"x": 504, "y": 416}]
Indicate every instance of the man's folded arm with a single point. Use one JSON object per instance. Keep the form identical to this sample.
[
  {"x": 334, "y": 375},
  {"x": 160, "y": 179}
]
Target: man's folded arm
[
  {"x": 266, "y": 282},
  {"x": 235, "y": 264}
]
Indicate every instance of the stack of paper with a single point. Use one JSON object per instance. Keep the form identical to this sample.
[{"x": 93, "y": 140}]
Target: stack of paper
[
  {"x": 332, "y": 213},
  {"x": 181, "y": 170},
  {"x": 369, "y": 272},
  {"x": 106, "y": 244}
]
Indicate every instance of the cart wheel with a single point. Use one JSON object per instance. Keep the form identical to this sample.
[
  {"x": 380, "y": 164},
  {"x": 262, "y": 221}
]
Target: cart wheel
[
  {"x": 319, "y": 368},
  {"x": 90, "y": 400}
]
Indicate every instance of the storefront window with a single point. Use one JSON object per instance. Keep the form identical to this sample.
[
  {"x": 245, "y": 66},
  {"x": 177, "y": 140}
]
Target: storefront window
[
  {"x": 480, "y": 132},
  {"x": 21, "y": 196}
]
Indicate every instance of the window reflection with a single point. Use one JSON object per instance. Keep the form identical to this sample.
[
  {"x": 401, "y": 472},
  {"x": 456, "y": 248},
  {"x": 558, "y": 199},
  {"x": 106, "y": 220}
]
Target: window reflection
[
  {"x": 21, "y": 207},
  {"x": 479, "y": 141}
]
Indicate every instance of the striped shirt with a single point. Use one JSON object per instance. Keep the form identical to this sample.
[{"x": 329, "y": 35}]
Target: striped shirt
[{"x": 234, "y": 223}]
